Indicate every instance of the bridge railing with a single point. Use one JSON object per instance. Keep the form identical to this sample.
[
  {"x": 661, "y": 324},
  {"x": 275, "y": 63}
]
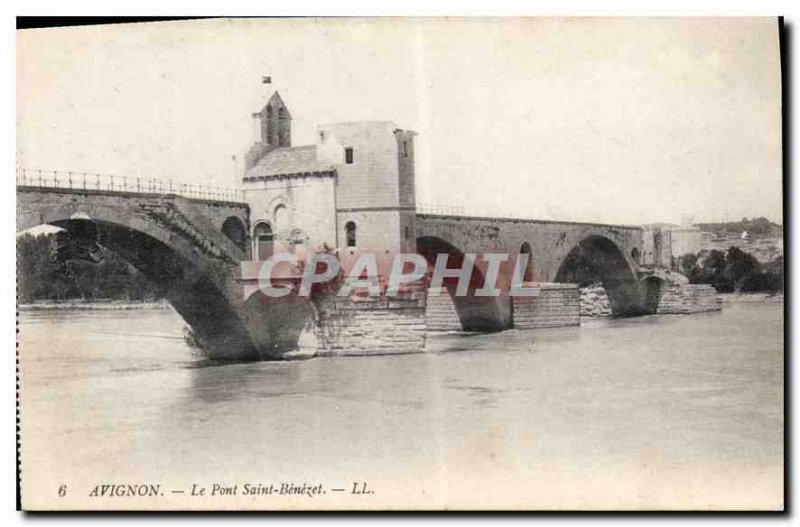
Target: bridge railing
[
  {"x": 459, "y": 210},
  {"x": 441, "y": 208},
  {"x": 28, "y": 177}
]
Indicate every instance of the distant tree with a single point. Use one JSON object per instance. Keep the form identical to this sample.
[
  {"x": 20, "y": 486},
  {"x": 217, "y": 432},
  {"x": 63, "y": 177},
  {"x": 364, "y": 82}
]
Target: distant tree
[
  {"x": 740, "y": 267},
  {"x": 41, "y": 276},
  {"x": 734, "y": 270},
  {"x": 773, "y": 274},
  {"x": 755, "y": 227},
  {"x": 687, "y": 264}
]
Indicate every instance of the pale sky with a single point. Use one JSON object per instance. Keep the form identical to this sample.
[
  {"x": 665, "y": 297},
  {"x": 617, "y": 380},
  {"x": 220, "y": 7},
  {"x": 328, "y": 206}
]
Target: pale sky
[{"x": 610, "y": 120}]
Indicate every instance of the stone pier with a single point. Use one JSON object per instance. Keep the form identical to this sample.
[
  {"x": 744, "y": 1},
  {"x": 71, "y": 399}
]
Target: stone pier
[
  {"x": 674, "y": 299},
  {"x": 364, "y": 325},
  {"x": 688, "y": 298},
  {"x": 556, "y": 306}
]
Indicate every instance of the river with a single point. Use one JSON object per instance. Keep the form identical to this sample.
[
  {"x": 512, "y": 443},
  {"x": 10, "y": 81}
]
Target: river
[{"x": 658, "y": 411}]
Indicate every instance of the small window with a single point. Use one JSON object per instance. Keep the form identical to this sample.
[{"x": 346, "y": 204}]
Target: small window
[
  {"x": 269, "y": 112},
  {"x": 350, "y": 232},
  {"x": 348, "y": 155},
  {"x": 405, "y": 148},
  {"x": 408, "y": 232}
]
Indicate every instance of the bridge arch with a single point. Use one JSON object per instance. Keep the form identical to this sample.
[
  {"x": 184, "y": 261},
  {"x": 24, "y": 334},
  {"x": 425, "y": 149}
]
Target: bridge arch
[
  {"x": 197, "y": 295},
  {"x": 483, "y": 314},
  {"x": 597, "y": 258},
  {"x": 175, "y": 242}
]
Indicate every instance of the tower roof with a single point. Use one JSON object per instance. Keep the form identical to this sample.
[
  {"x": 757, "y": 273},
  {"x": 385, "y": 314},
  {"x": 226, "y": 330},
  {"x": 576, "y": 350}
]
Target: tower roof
[{"x": 276, "y": 102}]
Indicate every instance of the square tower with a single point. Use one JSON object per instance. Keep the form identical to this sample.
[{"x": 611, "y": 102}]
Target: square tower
[{"x": 375, "y": 197}]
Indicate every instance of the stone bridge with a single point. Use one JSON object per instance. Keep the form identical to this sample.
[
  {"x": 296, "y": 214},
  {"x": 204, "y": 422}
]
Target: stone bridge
[
  {"x": 191, "y": 243},
  {"x": 189, "y": 248},
  {"x": 557, "y": 251}
]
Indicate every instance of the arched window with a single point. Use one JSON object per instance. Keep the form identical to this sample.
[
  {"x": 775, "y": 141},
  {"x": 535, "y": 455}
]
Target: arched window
[
  {"x": 635, "y": 254},
  {"x": 236, "y": 231},
  {"x": 281, "y": 114},
  {"x": 269, "y": 112},
  {"x": 263, "y": 237},
  {"x": 281, "y": 217},
  {"x": 350, "y": 232}
]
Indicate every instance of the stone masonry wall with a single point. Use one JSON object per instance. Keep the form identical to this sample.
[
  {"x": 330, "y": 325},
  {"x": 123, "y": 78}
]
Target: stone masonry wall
[
  {"x": 557, "y": 305},
  {"x": 675, "y": 299},
  {"x": 440, "y": 314},
  {"x": 689, "y": 298},
  {"x": 357, "y": 326}
]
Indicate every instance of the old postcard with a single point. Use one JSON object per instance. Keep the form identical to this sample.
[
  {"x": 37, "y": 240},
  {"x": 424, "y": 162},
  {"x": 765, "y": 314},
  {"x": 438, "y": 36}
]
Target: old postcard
[{"x": 401, "y": 264}]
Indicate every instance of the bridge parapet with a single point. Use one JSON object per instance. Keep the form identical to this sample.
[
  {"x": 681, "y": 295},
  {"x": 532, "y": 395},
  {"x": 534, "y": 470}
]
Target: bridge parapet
[{"x": 89, "y": 181}]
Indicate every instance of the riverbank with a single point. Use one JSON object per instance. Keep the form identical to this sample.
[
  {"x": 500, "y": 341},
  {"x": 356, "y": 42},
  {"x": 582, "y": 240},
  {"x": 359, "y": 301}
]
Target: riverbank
[
  {"x": 97, "y": 305},
  {"x": 731, "y": 298}
]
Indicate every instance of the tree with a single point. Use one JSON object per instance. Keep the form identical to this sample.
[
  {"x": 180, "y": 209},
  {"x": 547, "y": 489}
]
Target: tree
[
  {"x": 41, "y": 276},
  {"x": 687, "y": 264},
  {"x": 740, "y": 267}
]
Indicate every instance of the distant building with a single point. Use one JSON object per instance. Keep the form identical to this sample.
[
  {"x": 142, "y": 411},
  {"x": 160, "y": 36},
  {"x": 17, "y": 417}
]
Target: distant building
[
  {"x": 685, "y": 240},
  {"x": 656, "y": 247},
  {"x": 664, "y": 242},
  {"x": 353, "y": 189}
]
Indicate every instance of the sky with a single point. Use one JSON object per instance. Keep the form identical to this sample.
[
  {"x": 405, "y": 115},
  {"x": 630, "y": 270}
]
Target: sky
[{"x": 589, "y": 119}]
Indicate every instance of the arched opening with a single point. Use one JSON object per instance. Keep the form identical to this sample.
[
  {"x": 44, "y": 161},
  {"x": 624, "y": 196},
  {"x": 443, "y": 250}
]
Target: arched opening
[
  {"x": 281, "y": 217},
  {"x": 234, "y": 229},
  {"x": 178, "y": 278},
  {"x": 653, "y": 287},
  {"x": 526, "y": 249},
  {"x": 350, "y": 233},
  {"x": 598, "y": 259},
  {"x": 484, "y": 313},
  {"x": 264, "y": 240},
  {"x": 635, "y": 255}
]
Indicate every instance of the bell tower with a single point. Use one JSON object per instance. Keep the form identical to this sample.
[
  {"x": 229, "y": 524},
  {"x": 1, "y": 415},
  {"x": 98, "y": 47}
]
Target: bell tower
[
  {"x": 272, "y": 129},
  {"x": 276, "y": 123}
]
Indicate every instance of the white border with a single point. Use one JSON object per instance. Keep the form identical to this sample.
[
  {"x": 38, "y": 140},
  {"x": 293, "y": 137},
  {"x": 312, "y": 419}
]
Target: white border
[{"x": 8, "y": 516}]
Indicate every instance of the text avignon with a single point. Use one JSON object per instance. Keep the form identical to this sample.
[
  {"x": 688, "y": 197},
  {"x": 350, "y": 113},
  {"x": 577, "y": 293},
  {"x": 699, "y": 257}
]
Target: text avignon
[{"x": 125, "y": 491}]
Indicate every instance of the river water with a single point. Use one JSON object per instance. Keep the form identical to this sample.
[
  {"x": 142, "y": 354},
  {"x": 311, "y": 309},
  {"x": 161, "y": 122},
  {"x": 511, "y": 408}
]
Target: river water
[{"x": 659, "y": 411}]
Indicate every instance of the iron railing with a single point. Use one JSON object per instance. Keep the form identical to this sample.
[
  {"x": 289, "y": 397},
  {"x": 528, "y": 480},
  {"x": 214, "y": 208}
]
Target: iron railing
[
  {"x": 27, "y": 177},
  {"x": 459, "y": 210},
  {"x": 441, "y": 208}
]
